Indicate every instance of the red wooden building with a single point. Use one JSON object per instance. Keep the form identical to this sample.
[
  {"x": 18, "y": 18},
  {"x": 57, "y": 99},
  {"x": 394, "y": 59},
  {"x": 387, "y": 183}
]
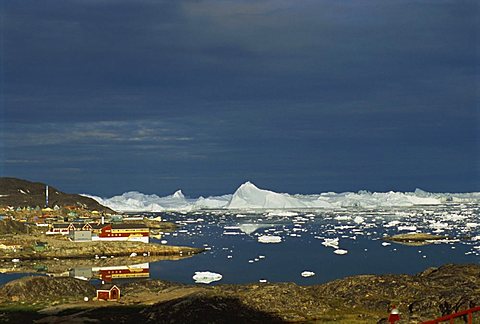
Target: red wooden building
[
  {"x": 124, "y": 232},
  {"x": 108, "y": 292}
]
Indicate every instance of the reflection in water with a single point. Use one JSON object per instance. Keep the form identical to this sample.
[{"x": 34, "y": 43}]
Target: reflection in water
[
  {"x": 109, "y": 273},
  {"x": 105, "y": 269}
]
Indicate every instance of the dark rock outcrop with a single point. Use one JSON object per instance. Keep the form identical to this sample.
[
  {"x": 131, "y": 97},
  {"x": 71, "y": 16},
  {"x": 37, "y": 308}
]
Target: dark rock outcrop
[
  {"x": 40, "y": 289},
  {"x": 22, "y": 193}
]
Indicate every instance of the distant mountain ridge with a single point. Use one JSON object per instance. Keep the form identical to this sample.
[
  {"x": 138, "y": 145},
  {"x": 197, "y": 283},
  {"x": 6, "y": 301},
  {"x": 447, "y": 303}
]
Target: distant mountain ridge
[{"x": 23, "y": 193}]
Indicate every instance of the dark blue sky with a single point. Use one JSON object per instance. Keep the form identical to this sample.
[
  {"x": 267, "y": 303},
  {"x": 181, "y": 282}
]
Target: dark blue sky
[{"x": 105, "y": 96}]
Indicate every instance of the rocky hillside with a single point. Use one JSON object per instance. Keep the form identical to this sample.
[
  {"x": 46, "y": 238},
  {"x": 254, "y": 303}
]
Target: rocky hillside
[
  {"x": 359, "y": 299},
  {"x": 8, "y": 226},
  {"x": 22, "y": 193},
  {"x": 43, "y": 289}
]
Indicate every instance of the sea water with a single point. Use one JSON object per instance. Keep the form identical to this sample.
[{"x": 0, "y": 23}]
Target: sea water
[
  {"x": 310, "y": 240},
  {"x": 234, "y": 250}
]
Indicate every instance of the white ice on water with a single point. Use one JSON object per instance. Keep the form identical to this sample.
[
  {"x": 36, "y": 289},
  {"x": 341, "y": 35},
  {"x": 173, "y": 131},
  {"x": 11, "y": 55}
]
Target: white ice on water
[
  {"x": 249, "y": 197},
  {"x": 307, "y": 273},
  {"x": 206, "y": 277},
  {"x": 269, "y": 239}
]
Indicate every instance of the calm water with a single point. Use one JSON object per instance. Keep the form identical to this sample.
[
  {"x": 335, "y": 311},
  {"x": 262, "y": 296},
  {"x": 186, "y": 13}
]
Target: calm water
[
  {"x": 301, "y": 247},
  {"x": 233, "y": 249}
]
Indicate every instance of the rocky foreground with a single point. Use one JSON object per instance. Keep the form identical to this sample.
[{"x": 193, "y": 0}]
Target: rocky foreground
[{"x": 359, "y": 299}]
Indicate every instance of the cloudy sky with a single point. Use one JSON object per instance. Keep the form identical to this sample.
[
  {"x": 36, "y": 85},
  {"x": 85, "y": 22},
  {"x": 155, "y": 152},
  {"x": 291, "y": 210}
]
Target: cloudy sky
[{"x": 106, "y": 96}]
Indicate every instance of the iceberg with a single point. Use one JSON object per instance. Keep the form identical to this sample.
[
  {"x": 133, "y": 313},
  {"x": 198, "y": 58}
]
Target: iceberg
[
  {"x": 206, "y": 277},
  {"x": 135, "y": 201},
  {"x": 306, "y": 274},
  {"x": 249, "y": 197},
  {"x": 331, "y": 243},
  {"x": 269, "y": 239}
]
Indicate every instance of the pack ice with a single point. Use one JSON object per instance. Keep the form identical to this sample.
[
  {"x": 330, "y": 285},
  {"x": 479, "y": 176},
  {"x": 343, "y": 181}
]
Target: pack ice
[{"x": 250, "y": 197}]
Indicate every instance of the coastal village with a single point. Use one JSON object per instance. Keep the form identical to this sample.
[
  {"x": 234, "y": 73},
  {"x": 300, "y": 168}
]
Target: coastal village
[
  {"x": 48, "y": 239},
  {"x": 84, "y": 260}
]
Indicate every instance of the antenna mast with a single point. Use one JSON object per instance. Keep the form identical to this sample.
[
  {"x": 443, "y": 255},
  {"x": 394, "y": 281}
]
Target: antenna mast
[{"x": 46, "y": 196}]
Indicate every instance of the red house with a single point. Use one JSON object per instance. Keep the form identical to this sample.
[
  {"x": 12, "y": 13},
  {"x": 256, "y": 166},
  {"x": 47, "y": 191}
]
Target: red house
[
  {"x": 124, "y": 232},
  {"x": 108, "y": 292}
]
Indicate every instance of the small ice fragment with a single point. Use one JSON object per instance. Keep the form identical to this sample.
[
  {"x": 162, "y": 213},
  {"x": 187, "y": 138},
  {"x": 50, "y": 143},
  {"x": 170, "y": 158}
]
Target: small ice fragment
[
  {"x": 386, "y": 244},
  {"x": 163, "y": 241},
  {"x": 307, "y": 273},
  {"x": 261, "y": 257},
  {"x": 229, "y": 256},
  {"x": 262, "y": 280},
  {"x": 269, "y": 239},
  {"x": 133, "y": 254},
  {"x": 359, "y": 219},
  {"x": 340, "y": 251},
  {"x": 206, "y": 277},
  {"x": 331, "y": 242},
  {"x": 15, "y": 260},
  {"x": 407, "y": 228}
]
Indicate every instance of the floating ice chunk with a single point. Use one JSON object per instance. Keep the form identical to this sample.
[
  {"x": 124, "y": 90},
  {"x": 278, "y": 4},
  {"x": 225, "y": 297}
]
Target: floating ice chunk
[
  {"x": 472, "y": 224},
  {"x": 206, "y": 277},
  {"x": 281, "y": 214},
  {"x": 392, "y": 223},
  {"x": 340, "y": 251},
  {"x": 407, "y": 228},
  {"x": 251, "y": 227},
  {"x": 386, "y": 244},
  {"x": 133, "y": 254},
  {"x": 262, "y": 280},
  {"x": 269, "y": 239},
  {"x": 331, "y": 242},
  {"x": 359, "y": 220},
  {"x": 306, "y": 274},
  {"x": 438, "y": 225},
  {"x": 15, "y": 260}
]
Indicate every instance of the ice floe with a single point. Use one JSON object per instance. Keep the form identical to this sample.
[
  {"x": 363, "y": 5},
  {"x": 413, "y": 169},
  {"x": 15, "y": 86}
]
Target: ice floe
[
  {"x": 249, "y": 197},
  {"x": 269, "y": 239},
  {"x": 306, "y": 274},
  {"x": 206, "y": 277}
]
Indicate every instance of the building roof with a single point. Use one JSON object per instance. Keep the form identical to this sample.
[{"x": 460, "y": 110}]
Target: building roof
[
  {"x": 61, "y": 225},
  {"x": 107, "y": 286},
  {"x": 129, "y": 226}
]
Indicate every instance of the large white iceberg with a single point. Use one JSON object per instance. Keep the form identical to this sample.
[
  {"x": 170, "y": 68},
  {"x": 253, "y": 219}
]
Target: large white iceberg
[{"x": 248, "y": 196}]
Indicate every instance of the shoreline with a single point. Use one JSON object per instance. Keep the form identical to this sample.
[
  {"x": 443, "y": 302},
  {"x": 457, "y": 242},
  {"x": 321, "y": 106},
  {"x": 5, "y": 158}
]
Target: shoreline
[
  {"x": 22, "y": 248},
  {"x": 356, "y": 299}
]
